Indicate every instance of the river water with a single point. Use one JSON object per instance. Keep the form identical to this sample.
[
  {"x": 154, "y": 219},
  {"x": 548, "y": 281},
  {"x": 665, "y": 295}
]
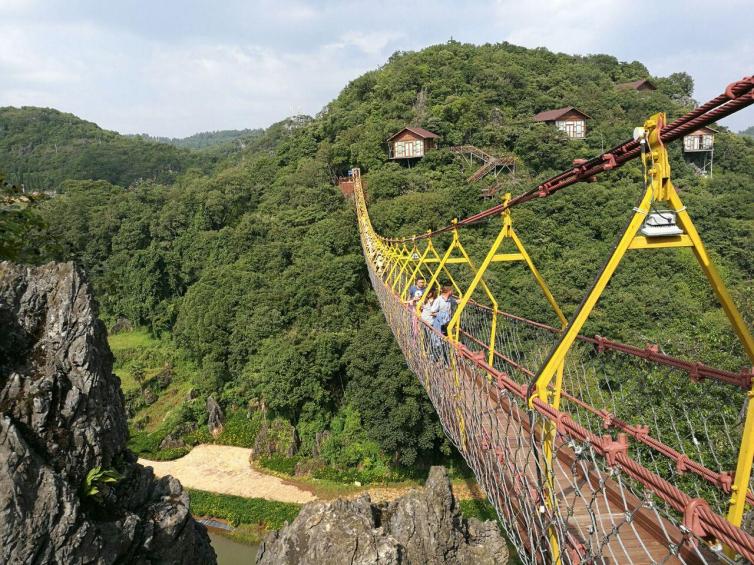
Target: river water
[{"x": 231, "y": 552}]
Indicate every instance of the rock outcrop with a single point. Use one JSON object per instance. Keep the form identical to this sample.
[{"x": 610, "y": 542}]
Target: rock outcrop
[
  {"x": 62, "y": 415},
  {"x": 422, "y": 527},
  {"x": 215, "y": 417},
  {"x": 276, "y": 437}
]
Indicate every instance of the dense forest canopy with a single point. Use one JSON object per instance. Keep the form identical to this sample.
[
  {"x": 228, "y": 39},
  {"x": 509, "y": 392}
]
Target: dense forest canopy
[
  {"x": 206, "y": 139},
  {"x": 249, "y": 268},
  {"x": 41, "y": 147}
]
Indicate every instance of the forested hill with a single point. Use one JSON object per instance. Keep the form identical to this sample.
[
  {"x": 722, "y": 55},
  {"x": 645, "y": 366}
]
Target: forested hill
[
  {"x": 253, "y": 279},
  {"x": 41, "y": 147},
  {"x": 208, "y": 139}
]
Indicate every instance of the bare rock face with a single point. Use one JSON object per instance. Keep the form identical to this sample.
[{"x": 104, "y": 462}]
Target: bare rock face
[
  {"x": 422, "y": 527},
  {"x": 276, "y": 437},
  {"x": 61, "y": 415},
  {"x": 215, "y": 417}
]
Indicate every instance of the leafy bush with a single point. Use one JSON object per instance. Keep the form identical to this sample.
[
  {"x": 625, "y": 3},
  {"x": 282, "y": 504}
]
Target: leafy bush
[
  {"x": 348, "y": 476},
  {"x": 97, "y": 481},
  {"x": 237, "y": 510},
  {"x": 280, "y": 464},
  {"x": 239, "y": 429}
]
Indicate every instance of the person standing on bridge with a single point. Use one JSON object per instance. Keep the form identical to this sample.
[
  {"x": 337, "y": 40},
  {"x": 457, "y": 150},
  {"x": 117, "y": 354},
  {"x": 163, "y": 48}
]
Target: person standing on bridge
[
  {"x": 441, "y": 309},
  {"x": 440, "y": 312},
  {"x": 427, "y": 316},
  {"x": 415, "y": 291}
]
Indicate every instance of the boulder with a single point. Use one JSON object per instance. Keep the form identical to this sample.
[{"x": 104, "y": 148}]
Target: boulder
[
  {"x": 422, "y": 527},
  {"x": 340, "y": 532},
  {"x": 320, "y": 438},
  {"x": 215, "y": 417},
  {"x": 164, "y": 377},
  {"x": 62, "y": 415},
  {"x": 149, "y": 396},
  {"x": 276, "y": 437},
  {"x": 175, "y": 438},
  {"x": 307, "y": 467},
  {"x": 121, "y": 325}
]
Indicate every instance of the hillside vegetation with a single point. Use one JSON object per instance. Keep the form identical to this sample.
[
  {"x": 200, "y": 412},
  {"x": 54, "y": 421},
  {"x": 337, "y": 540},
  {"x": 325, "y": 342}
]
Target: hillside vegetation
[
  {"x": 207, "y": 139},
  {"x": 41, "y": 147},
  {"x": 251, "y": 280}
]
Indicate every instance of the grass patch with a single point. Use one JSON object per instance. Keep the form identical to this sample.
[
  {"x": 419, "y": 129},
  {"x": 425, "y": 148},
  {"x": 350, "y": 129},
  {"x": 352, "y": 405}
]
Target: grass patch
[
  {"x": 240, "y": 430},
  {"x": 481, "y": 509},
  {"x": 135, "y": 339},
  {"x": 250, "y": 534},
  {"x": 269, "y": 514}
]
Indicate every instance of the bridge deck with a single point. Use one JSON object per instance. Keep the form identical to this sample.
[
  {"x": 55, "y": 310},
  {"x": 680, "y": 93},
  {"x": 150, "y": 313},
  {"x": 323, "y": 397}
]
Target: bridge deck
[{"x": 602, "y": 516}]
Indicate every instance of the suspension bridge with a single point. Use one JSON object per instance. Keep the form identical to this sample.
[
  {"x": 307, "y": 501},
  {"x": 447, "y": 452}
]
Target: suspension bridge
[{"x": 582, "y": 468}]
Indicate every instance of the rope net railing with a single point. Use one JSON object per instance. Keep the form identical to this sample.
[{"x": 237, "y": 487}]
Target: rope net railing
[{"x": 607, "y": 475}]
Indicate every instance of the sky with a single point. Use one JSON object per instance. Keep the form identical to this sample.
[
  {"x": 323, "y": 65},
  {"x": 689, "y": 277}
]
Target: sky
[{"x": 177, "y": 67}]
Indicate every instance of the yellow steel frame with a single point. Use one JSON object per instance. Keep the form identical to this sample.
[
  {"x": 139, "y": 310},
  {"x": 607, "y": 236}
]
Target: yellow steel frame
[
  {"x": 659, "y": 188},
  {"x": 432, "y": 257},
  {"x": 495, "y": 256},
  {"x": 419, "y": 265},
  {"x": 409, "y": 259},
  {"x": 506, "y": 232},
  {"x": 404, "y": 257}
]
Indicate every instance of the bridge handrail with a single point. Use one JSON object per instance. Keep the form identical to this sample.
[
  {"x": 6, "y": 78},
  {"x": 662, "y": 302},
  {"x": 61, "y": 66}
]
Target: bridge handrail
[
  {"x": 696, "y": 370},
  {"x": 698, "y": 517}
]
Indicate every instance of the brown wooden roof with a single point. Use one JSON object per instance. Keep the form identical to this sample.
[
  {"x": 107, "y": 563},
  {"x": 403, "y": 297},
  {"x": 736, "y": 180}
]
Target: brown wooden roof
[
  {"x": 421, "y": 132},
  {"x": 552, "y": 115},
  {"x": 636, "y": 85}
]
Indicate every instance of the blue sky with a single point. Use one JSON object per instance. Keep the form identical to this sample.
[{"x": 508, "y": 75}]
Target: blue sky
[{"x": 178, "y": 67}]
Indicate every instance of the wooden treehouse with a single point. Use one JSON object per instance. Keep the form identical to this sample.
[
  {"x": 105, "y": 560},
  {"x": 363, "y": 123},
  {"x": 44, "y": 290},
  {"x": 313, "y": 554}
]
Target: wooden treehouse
[
  {"x": 486, "y": 166},
  {"x": 642, "y": 85},
  {"x": 411, "y": 143},
  {"x": 569, "y": 120},
  {"x": 699, "y": 149}
]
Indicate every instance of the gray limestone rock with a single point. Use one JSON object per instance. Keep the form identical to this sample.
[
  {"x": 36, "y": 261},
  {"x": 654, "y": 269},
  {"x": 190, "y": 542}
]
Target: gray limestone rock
[
  {"x": 215, "y": 417},
  {"x": 61, "y": 415},
  {"x": 422, "y": 527}
]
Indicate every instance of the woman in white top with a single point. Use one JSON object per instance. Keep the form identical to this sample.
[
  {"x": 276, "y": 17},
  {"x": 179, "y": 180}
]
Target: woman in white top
[{"x": 426, "y": 315}]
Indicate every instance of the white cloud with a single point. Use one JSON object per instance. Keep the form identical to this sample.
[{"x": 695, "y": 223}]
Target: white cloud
[
  {"x": 177, "y": 67},
  {"x": 571, "y": 26},
  {"x": 369, "y": 42}
]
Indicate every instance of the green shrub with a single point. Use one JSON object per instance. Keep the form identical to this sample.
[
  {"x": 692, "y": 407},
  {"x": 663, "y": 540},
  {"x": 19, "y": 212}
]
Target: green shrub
[
  {"x": 280, "y": 464},
  {"x": 167, "y": 454},
  {"x": 237, "y": 510},
  {"x": 239, "y": 429},
  {"x": 365, "y": 477}
]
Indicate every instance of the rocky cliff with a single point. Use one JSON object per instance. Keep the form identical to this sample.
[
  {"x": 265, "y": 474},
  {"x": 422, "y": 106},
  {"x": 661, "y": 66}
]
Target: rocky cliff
[
  {"x": 70, "y": 491},
  {"x": 422, "y": 527}
]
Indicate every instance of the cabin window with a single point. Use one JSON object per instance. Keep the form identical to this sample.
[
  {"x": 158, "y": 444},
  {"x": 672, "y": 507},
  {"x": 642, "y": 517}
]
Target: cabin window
[
  {"x": 572, "y": 128},
  {"x": 698, "y": 142},
  {"x": 409, "y": 148}
]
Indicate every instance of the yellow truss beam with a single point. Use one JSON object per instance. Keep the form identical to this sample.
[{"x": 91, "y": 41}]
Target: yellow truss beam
[{"x": 659, "y": 188}]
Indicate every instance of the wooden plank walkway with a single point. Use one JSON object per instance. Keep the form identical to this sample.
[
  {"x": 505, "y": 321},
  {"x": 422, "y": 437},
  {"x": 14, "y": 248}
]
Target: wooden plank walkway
[{"x": 599, "y": 513}]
